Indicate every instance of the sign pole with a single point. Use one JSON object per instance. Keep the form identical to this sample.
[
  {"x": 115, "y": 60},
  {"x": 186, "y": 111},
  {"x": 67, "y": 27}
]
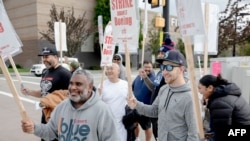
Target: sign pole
[
  {"x": 15, "y": 70},
  {"x": 128, "y": 70},
  {"x": 13, "y": 89},
  {"x": 205, "y": 62},
  {"x": 191, "y": 72}
]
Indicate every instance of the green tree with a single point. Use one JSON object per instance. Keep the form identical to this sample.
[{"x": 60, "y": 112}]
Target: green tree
[
  {"x": 102, "y": 8},
  {"x": 245, "y": 50},
  {"x": 180, "y": 46},
  {"x": 77, "y": 30},
  {"x": 153, "y": 39}
]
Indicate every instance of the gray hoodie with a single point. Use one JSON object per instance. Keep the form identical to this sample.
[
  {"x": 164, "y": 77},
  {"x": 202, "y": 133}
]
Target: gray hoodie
[
  {"x": 122, "y": 74},
  {"x": 174, "y": 108},
  {"x": 93, "y": 121}
]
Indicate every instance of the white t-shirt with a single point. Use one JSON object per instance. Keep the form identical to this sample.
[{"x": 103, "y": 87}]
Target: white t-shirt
[{"x": 114, "y": 95}]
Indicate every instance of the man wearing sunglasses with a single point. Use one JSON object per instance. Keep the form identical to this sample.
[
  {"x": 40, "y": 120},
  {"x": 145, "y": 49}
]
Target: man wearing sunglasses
[
  {"x": 118, "y": 60},
  {"x": 159, "y": 81},
  {"x": 173, "y": 106}
]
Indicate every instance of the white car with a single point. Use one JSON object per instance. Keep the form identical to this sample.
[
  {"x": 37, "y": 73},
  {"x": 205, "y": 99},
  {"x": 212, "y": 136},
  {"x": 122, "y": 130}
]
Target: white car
[{"x": 38, "y": 69}]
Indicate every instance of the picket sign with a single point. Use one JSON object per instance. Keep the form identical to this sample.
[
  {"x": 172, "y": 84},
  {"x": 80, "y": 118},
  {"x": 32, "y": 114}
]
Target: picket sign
[
  {"x": 13, "y": 89},
  {"x": 125, "y": 24},
  {"x": 191, "y": 24},
  {"x": 60, "y": 37},
  {"x": 107, "y": 51},
  {"x": 10, "y": 45}
]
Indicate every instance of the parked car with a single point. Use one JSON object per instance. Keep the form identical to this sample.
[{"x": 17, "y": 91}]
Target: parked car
[{"x": 38, "y": 69}]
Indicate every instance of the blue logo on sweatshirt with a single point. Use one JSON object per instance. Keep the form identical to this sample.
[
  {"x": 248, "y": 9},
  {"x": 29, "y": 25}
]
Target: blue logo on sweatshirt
[{"x": 76, "y": 130}]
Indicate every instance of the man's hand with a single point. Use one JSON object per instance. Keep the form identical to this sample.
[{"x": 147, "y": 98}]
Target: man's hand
[
  {"x": 132, "y": 102},
  {"x": 25, "y": 91},
  {"x": 142, "y": 73},
  {"x": 28, "y": 126}
]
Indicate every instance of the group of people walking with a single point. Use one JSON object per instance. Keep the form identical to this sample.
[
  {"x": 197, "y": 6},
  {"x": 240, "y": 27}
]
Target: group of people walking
[{"x": 161, "y": 104}]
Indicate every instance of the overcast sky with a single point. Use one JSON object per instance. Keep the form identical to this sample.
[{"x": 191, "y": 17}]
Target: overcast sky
[{"x": 221, "y": 3}]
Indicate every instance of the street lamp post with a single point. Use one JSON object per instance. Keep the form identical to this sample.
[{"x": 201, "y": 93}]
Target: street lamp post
[{"x": 235, "y": 29}]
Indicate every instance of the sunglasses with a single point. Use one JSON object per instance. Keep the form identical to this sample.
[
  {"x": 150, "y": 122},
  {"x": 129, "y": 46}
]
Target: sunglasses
[
  {"x": 116, "y": 59},
  {"x": 167, "y": 67}
]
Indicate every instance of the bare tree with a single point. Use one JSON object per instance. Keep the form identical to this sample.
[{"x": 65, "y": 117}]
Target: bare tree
[
  {"x": 77, "y": 29},
  {"x": 231, "y": 33}
]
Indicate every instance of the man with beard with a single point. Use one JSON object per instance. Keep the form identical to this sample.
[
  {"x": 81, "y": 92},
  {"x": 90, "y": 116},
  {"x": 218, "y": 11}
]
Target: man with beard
[
  {"x": 54, "y": 78},
  {"x": 173, "y": 106},
  {"x": 143, "y": 94},
  {"x": 83, "y": 116}
]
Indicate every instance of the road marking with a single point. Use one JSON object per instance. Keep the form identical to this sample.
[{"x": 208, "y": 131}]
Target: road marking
[
  {"x": 14, "y": 80},
  {"x": 22, "y": 98}
]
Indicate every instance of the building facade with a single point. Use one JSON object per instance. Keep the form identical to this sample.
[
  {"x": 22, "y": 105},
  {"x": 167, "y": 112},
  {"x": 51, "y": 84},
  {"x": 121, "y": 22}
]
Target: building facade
[{"x": 30, "y": 17}]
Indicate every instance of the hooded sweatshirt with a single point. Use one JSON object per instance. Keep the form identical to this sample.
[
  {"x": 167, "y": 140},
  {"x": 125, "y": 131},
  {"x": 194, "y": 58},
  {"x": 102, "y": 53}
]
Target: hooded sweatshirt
[
  {"x": 93, "y": 121},
  {"x": 174, "y": 108},
  {"x": 227, "y": 107},
  {"x": 122, "y": 74}
]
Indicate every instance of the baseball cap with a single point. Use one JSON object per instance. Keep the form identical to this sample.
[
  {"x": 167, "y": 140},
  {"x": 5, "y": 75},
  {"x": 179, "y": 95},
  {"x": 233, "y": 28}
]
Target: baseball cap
[
  {"x": 48, "y": 51},
  {"x": 74, "y": 64},
  {"x": 173, "y": 56}
]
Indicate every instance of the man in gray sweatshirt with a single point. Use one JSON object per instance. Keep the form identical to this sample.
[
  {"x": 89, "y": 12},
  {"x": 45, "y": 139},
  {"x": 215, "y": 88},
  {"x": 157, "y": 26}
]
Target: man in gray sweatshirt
[
  {"x": 173, "y": 106},
  {"x": 83, "y": 116}
]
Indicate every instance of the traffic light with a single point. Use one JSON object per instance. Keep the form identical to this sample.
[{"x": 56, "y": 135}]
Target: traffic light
[
  {"x": 154, "y": 3},
  {"x": 159, "y": 21}
]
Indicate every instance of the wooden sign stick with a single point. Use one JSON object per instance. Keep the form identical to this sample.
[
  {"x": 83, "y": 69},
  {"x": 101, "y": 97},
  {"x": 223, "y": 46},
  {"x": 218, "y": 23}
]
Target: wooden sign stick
[
  {"x": 205, "y": 62},
  {"x": 15, "y": 70},
  {"x": 102, "y": 79},
  {"x": 13, "y": 89},
  {"x": 128, "y": 70},
  {"x": 142, "y": 51},
  {"x": 191, "y": 72},
  {"x": 103, "y": 72}
]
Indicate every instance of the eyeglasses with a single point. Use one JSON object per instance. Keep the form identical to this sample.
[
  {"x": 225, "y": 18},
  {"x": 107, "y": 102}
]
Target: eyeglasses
[{"x": 167, "y": 67}]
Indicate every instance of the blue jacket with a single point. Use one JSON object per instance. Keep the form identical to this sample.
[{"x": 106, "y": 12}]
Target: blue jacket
[{"x": 141, "y": 91}]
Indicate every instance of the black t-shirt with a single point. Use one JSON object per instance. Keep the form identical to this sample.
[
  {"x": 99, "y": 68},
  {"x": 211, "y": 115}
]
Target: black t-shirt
[{"x": 54, "y": 79}]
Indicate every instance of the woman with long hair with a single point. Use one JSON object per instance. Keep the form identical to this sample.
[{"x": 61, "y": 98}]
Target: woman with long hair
[{"x": 226, "y": 106}]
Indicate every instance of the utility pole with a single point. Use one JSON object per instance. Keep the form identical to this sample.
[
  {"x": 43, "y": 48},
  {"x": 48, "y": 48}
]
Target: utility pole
[{"x": 166, "y": 17}]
